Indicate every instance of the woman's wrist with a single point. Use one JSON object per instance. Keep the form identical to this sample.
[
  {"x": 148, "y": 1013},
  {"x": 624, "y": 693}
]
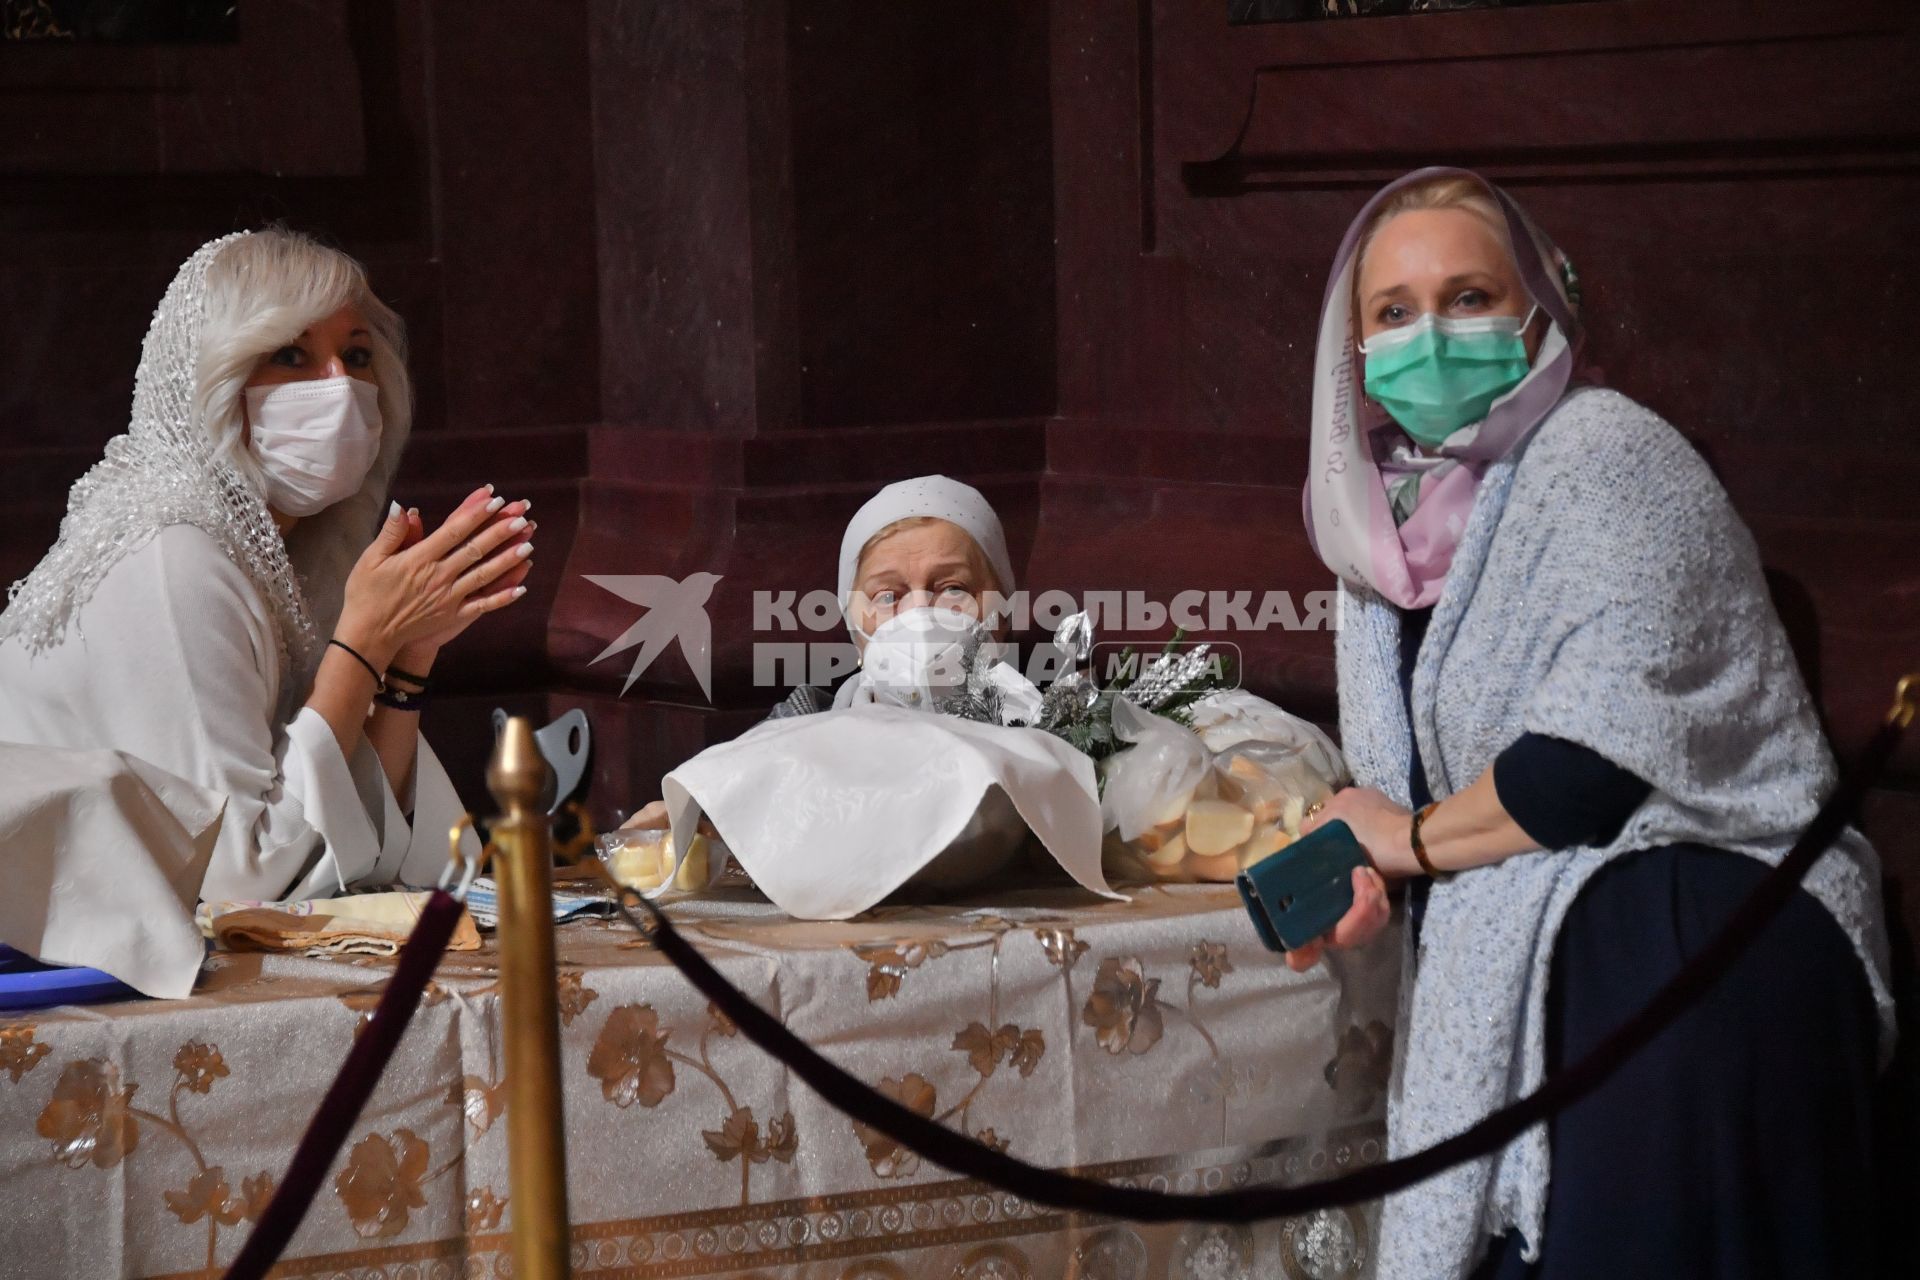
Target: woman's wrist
[
  {"x": 1395, "y": 859},
  {"x": 369, "y": 641},
  {"x": 1468, "y": 830},
  {"x": 416, "y": 658}
]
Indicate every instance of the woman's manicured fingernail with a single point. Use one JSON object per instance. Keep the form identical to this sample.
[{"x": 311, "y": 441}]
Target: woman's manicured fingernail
[
  {"x": 518, "y": 592},
  {"x": 393, "y": 509},
  {"x": 524, "y": 550},
  {"x": 519, "y": 523},
  {"x": 496, "y": 504},
  {"x": 414, "y": 512},
  {"x": 526, "y": 505},
  {"x": 489, "y": 488}
]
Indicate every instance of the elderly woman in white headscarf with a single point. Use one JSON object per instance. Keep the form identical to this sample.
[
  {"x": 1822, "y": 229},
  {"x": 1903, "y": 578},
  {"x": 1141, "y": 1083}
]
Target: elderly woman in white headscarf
[
  {"x": 922, "y": 564},
  {"x": 233, "y": 600},
  {"x": 1579, "y": 737}
]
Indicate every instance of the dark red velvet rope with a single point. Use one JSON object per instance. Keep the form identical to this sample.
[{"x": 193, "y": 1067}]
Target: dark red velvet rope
[{"x": 368, "y": 1058}]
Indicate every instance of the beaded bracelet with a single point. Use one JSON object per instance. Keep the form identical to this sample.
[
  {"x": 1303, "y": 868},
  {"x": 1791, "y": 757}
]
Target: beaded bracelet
[
  {"x": 401, "y": 699},
  {"x": 1419, "y": 846}
]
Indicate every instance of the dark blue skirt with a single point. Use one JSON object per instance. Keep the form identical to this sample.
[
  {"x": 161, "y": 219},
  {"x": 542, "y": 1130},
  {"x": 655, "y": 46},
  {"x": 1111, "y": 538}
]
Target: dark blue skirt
[{"x": 1738, "y": 1143}]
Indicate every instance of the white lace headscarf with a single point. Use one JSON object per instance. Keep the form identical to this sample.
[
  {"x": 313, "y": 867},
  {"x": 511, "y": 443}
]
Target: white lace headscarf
[{"x": 182, "y": 459}]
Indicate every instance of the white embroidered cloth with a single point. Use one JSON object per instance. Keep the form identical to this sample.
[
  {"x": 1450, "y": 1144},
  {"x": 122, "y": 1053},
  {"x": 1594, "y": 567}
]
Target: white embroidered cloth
[{"x": 830, "y": 813}]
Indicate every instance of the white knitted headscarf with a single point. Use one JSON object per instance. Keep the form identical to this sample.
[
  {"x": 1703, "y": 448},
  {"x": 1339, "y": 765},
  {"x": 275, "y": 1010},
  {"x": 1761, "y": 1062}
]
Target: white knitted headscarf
[
  {"x": 165, "y": 470},
  {"x": 937, "y": 497}
]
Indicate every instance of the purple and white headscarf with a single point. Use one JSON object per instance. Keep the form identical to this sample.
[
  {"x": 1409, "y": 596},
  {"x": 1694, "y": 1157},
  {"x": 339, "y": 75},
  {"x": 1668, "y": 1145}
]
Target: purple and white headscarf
[{"x": 1360, "y": 461}]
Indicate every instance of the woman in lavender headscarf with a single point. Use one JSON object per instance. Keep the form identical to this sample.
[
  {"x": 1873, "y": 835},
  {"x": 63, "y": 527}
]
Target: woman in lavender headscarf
[{"x": 1578, "y": 731}]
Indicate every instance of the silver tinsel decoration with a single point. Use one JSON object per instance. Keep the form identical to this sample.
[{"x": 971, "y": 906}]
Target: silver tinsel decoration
[
  {"x": 1074, "y": 707},
  {"x": 1068, "y": 699},
  {"x": 1166, "y": 674},
  {"x": 1074, "y": 637},
  {"x": 974, "y": 696}
]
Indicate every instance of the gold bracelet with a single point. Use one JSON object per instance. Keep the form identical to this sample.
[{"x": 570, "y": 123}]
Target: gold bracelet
[{"x": 1419, "y": 846}]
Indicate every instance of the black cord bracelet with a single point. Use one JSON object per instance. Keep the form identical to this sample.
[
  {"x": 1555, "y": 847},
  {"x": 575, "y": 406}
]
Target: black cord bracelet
[
  {"x": 379, "y": 681},
  {"x": 395, "y": 673}
]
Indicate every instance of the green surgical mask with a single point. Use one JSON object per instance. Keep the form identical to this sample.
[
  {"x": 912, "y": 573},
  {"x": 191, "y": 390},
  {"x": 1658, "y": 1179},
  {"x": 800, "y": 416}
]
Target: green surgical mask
[{"x": 1436, "y": 376}]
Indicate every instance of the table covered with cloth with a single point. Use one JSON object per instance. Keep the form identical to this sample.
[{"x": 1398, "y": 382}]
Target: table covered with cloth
[{"x": 1152, "y": 1043}]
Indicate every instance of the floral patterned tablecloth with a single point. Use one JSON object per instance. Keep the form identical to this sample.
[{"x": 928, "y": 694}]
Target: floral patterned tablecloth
[{"x": 1151, "y": 1042}]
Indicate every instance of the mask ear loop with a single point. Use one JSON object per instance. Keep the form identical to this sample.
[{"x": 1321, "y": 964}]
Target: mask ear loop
[
  {"x": 458, "y": 861},
  {"x": 846, "y": 615}
]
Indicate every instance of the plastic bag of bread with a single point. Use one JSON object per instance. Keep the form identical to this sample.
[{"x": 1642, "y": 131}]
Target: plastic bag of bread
[
  {"x": 642, "y": 858},
  {"x": 1206, "y": 802}
]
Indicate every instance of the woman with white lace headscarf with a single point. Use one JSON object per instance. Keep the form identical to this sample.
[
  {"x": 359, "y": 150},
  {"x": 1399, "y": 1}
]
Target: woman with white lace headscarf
[
  {"x": 233, "y": 601},
  {"x": 1579, "y": 737}
]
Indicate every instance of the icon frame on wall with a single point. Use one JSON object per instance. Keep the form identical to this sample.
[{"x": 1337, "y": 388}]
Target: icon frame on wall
[
  {"x": 1248, "y": 12},
  {"x": 120, "y": 21}
]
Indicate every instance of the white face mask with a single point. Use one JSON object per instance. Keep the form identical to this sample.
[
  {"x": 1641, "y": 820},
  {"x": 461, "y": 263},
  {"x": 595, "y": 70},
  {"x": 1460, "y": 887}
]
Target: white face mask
[
  {"x": 315, "y": 441},
  {"x": 914, "y": 658}
]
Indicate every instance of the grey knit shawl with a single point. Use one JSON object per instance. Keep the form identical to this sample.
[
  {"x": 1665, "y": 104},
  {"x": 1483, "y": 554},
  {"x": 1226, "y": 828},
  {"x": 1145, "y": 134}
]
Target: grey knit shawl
[{"x": 1606, "y": 593}]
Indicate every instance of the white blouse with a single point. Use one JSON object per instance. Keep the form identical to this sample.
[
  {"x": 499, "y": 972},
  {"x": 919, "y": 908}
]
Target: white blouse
[{"x": 173, "y": 661}]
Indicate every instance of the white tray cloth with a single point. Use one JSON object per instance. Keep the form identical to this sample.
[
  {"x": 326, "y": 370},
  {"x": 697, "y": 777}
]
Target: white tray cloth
[{"x": 830, "y": 813}]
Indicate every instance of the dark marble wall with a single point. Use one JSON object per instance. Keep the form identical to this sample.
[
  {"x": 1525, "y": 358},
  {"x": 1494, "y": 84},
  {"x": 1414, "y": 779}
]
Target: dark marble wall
[
  {"x": 922, "y": 211},
  {"x": 691, "y": 187},
  {"x": 823, "y": 214},
  {"x": 1738, "y": 248},
  {"x": 697, "y": 276},
  {"x": 124, "y": 21}
]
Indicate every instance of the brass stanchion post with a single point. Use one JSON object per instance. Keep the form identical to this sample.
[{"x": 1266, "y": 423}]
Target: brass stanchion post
[{"x": 536, "y": 1139}]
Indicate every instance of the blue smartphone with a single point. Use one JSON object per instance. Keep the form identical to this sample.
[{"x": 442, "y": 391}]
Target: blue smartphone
[{"x": 1301, "y": 892}]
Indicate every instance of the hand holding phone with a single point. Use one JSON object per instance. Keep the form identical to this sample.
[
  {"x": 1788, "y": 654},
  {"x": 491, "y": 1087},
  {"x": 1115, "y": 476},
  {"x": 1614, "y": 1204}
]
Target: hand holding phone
[
  {"x": 1301, "y": 892},
  {"x": 1308, "y": 891}
]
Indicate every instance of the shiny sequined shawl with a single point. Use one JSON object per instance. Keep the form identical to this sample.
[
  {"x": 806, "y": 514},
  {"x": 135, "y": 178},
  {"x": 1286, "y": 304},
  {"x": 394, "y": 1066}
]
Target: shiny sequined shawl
[
  {"x": 164, "y": 470},
  {"x": 1603, "y": 592}
]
